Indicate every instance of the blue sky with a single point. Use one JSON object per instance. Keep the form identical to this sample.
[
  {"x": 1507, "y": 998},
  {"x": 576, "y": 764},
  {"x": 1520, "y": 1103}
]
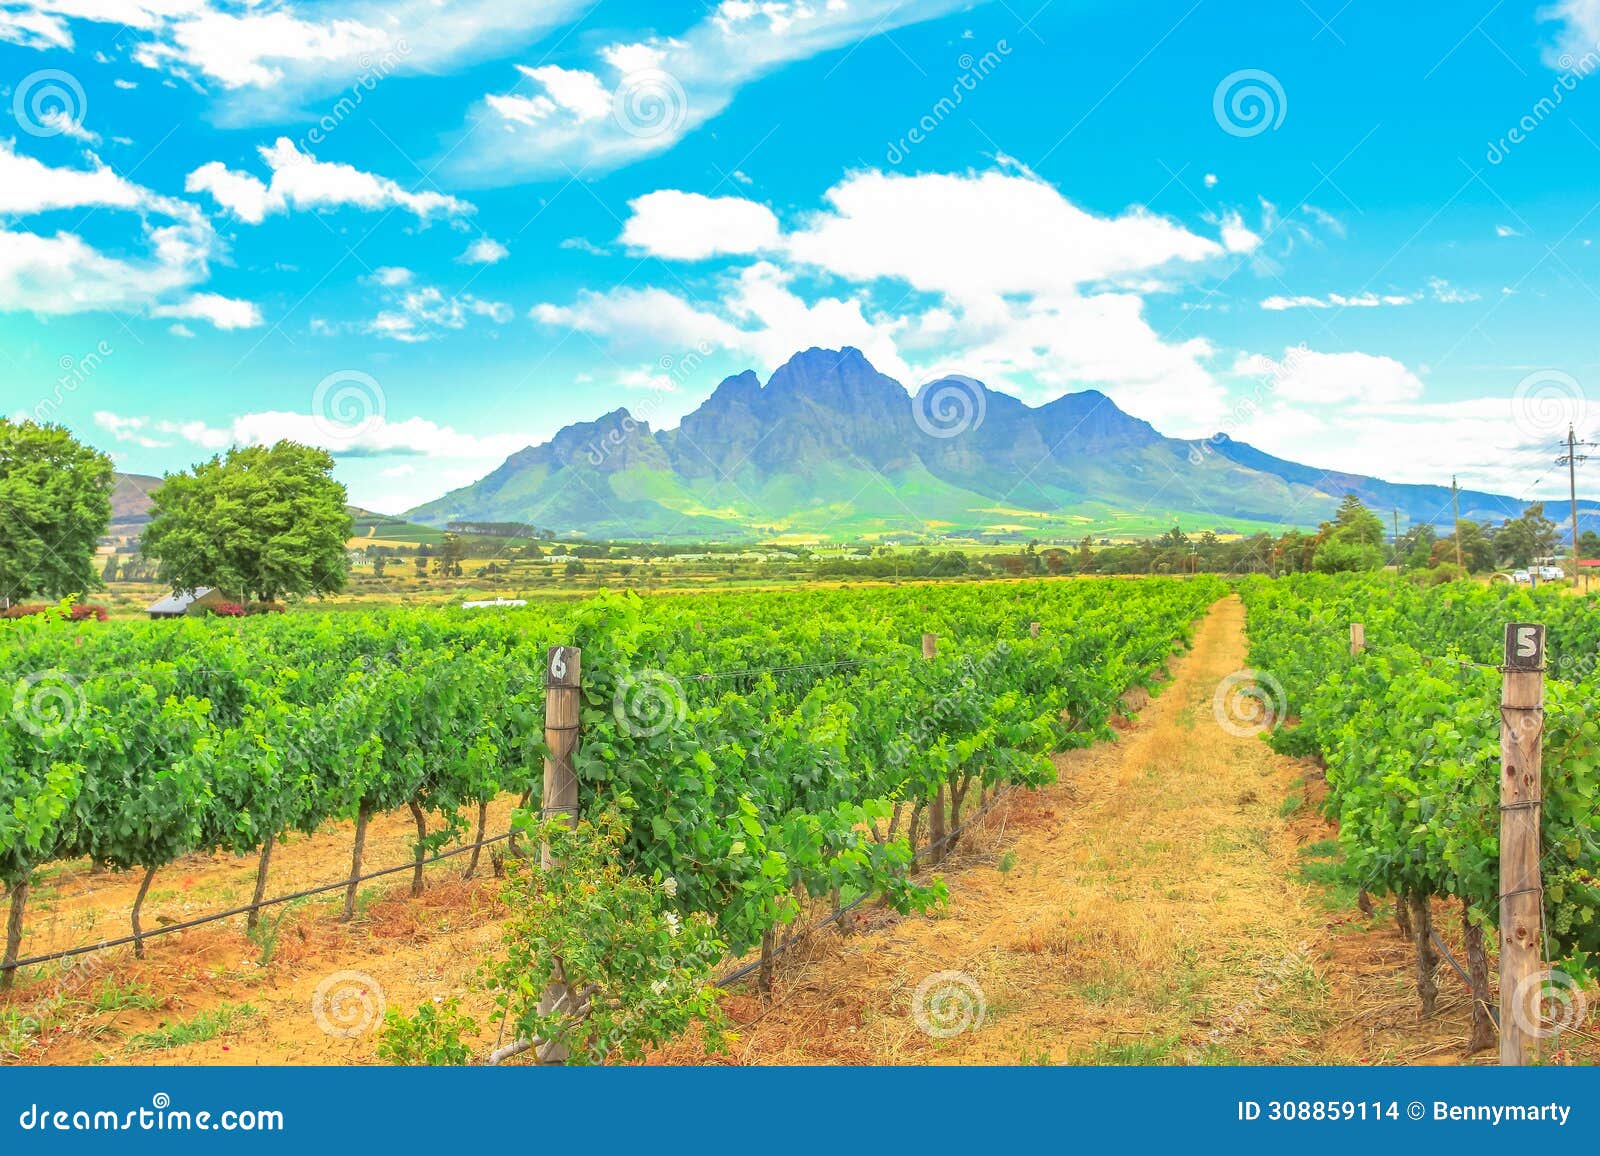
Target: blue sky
[{"x": 427, "y": 234}]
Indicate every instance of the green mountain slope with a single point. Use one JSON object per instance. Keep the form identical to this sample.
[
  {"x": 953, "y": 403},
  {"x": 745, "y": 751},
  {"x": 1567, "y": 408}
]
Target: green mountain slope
[{"x": 829, "y": 447}]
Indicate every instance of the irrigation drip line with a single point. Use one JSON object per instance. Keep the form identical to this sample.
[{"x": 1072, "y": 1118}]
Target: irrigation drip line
[
  {"x": 1494, "y": 1013},
  {"x": 186, "y": 925}
]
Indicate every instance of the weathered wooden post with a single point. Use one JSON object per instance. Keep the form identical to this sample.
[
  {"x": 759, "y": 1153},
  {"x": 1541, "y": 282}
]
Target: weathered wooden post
[
  {"x": 1521, "y": 883},
  {"x": 563, "y": 669},
  {"x": 936, "y": 833}
]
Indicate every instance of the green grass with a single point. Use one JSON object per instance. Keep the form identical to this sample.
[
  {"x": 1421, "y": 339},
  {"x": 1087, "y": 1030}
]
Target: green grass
[
  {"x": 1141, "y": 1052},
  {"x": 112, "y": 995},
  {"x": 207, "y": 1025}
]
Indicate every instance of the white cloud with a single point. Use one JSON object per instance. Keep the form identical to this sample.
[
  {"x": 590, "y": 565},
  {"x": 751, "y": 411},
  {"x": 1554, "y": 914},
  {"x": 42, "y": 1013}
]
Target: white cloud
[
  {"x": 269, "y": 59},
  {"x": 62, "y": 273},
  {"x": 1237, "y": 236},
  {"x": 1333, "y": 378},
  {"x": 1366, "y": 300},
  {"x": 376, "y": 435},
  {"x": 300, "y": 181},
  {"x": 1211, "y": 180},
  {"x": 1505, "y": 231},
  {"x": 1419, "y": 442},
  {"x": 31, "y": 28},
  {"x": 392, "y": 276},
  {"x": 690, "y": 227},
  {"x": 214, "y": 309},
  {"x": 1023, "y": 289},
  {"x": 976, "y": 235},
  {"x": 29, "y": 186},
  {"x": 1578, "y": 35},
  {"x": 1448, "y": 294},
  {"x": 484, "y": 251},
  {"x": 641, "y": 97},
  {"x": 179, "y": 329},
  {"x": 417, "y": 314}
]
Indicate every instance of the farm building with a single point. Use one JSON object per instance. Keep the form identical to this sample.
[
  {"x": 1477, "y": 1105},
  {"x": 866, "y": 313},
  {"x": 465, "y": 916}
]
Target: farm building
[{"x": 186, "y": 602}]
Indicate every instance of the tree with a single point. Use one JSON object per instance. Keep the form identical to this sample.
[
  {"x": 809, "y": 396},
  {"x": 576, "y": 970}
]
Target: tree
[
  {"x": 1352, "y": 541},
  {"x": 55, "y": 503},
  {"x": 1416, "y": 546},
  {"x": 1477, "y": 551},
  {"x": 1086, "y": 555},
  {"x": 1520, "y": 540},
  {"x": 1589, "y": 544},
  {"x": 262, "y": 522}
]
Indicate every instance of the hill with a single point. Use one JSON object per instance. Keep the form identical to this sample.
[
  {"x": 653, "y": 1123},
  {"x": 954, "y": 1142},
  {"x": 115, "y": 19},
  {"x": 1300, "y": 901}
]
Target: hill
[{"x": 830, "y": 447}]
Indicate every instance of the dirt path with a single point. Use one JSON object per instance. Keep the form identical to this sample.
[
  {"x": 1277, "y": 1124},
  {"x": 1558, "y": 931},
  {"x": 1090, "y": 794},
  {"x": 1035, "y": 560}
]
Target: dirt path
[{"x": 1153, "y": 908}]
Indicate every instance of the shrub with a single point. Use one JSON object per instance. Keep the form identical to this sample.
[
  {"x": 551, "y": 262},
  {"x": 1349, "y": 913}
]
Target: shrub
[
  {"x": 85, "y": 610},
  {"x": 264, "y": 608},
  {"x": 24, "y": 611},
  {"x": 226, "y": 610}
]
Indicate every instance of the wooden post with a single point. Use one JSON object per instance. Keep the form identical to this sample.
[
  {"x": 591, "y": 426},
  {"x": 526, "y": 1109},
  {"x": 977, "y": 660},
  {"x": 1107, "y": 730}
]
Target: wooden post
[
  {"x": 1521, "y": 884},
  {"x": 936, "y": 829},
  {"x": 1033, "y": 630},
  {"x": 562, "y": 669}
]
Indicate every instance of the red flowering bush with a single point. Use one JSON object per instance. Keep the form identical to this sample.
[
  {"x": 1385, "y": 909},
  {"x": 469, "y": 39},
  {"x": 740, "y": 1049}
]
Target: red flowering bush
[
  {"x": 24, "y": 611},
  {"x": 84, "y": 610},
  {"x": 227, "y": 610}
]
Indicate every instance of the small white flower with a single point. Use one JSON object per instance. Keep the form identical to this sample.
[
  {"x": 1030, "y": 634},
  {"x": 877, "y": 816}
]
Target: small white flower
[
  {"x": 659, "y": 986},
  {"x": 674, "y": 924},
  {"x": 670, "y": 886}
]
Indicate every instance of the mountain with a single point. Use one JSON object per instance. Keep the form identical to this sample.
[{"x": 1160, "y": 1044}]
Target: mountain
[{"x": 830, "y": 447}]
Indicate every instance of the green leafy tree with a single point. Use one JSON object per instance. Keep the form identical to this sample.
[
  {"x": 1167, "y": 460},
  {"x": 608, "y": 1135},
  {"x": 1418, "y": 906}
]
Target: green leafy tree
[
  {"x": 55, "y": 503},
  {"x": 1477, "y": 549},
  {"x": 1589, "y": 544},
  {"x": 1520, "y": 540},
  {"x": 1352, "y": 541},
  {"x": 262, "y": 522}
]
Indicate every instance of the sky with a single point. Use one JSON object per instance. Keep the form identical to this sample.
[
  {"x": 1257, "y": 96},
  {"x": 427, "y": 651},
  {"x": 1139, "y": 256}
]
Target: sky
[{"x": 428, "y": 234}]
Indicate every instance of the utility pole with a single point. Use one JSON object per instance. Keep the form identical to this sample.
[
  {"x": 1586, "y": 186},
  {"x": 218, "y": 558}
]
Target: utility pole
[
  {"x": 1455, "y": 503},
  {"x": 1397, "y": 538},
  {"x": 1571, "y": 460}
]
